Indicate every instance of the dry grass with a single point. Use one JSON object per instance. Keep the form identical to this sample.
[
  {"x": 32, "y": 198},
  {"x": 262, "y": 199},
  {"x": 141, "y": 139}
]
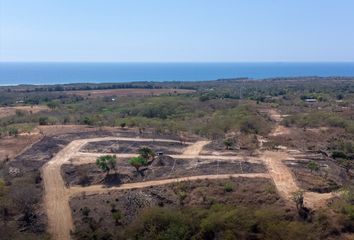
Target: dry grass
[
  {"x": 128, "y": 92},
  {"x": 8, "y": 111}
]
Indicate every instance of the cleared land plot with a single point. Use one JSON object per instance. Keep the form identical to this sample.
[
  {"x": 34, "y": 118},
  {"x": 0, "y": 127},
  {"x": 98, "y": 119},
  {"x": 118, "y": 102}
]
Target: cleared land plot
[
  {"x": 219, "y": 148},
  {"x": 12, "y": 146},
  {"x": 202, "y": 193},
  {"x": 8, "y": 111},
  {"x": 128, "y": 92},
  {"x": 329, "y": 177},
  {"x": 115, "y": 146},
  {"x": 162, "y": 168}
]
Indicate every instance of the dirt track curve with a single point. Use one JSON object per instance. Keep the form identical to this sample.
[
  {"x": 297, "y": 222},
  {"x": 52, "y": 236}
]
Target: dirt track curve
[
  {"x": 283, "y": 178},
  {"x": 57, "y": 195}
]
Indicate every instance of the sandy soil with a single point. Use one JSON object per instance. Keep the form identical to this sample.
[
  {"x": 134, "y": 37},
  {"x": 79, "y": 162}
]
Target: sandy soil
[
  {"x": 8, "y": 111},
  {"x": 13, "y": 146},
  {"x": 280, "y": 130},
  {"x": 196, "y": 148}
]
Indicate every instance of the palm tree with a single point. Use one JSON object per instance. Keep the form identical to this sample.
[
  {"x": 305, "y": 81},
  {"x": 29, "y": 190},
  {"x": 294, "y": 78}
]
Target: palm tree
[
  {"x": 147, "y": 153},
  {"x": 107, "y": 163},
  {"x": 138, "y": 162}
]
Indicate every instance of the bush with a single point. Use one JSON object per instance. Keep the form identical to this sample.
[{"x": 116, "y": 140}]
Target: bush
[
  {"x": 339, "y": 154},
  {"x": 163, "y": 224},
  {"x": 13, "y": 131},
  {"x": 228, "y": 187},
  {"x": 43, "y": 121}
]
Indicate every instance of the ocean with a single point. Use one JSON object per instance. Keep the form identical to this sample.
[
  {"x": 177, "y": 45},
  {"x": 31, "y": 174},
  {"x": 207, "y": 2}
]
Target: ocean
[{"x": 55, "y": 73}]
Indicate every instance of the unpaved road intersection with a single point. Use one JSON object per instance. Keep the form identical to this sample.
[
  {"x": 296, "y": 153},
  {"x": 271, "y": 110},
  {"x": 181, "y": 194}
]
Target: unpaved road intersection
[{"x": 57, "y": 195}]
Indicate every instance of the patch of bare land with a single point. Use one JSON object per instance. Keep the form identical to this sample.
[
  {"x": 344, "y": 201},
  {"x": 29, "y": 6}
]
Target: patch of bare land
[
  {"x": 8, "y": 111},
  {"x": 163, "y": 170},
  {"x": 71, "y": 172},
  {"x": 57, "y": 195},
  {"x": 327, "y": 178},
  {"x": 163, "y": 167},
  {"x": 133, "y": 146},
  {"x": 13, "y": 146},
  {"x": 305, "y": 139},
  {"x": 128, "y": 92},
  {"x": 200, "y": 193}
]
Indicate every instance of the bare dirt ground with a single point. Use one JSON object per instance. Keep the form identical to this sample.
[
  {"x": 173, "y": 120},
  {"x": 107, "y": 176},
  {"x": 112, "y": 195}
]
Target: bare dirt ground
[
  {"x": 103, "y": 188},
  {"x": 133, "y": 146},
  {"x": 282, "y": 175},
  {"x": 196, "y": 148},
  {"x": 201, "y": 193},
  {"x": 13, "y": 146},
  {"x": 128, "y": 92},
  {"x": 57, "y": 195},
  {"x": 8, "y": 111}
]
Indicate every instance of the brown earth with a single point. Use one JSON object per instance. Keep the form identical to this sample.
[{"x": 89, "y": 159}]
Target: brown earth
[
  {"x": 330, "y": 177},
  {"x": 8, "y": 111},
  {"x": 13, "y": 146},
  {"x": 133, "y": 147},
  {"x": 57, "y": 196},
  {"x": 201, "y": 193},
  {"x": 162, "y": 168}
]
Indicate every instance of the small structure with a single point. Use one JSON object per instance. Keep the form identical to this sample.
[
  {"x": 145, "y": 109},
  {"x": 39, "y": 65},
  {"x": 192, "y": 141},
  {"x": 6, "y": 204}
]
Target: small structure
[
  {"x": 311, "y": 100},
  {"x": 159, "y": 153}
]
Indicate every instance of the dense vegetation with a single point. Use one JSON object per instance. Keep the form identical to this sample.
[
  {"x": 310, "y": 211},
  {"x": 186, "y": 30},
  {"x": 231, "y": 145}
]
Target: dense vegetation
[{"x": 224, "y": 222}]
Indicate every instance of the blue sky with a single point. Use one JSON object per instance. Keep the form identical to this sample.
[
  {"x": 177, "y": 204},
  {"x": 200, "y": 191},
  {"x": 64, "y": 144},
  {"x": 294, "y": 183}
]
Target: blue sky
[{"x": 177, "y": 31}]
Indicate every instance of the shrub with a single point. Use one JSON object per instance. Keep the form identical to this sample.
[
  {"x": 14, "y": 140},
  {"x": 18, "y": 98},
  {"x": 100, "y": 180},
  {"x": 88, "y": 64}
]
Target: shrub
[
  {"x": 228, "y": 187},
  {"x": 13, "y": 131},
  {"x": 313, "y": 166},
  {"x": 138, "y": 162},
  {"x": 339, "y": 154},
  {"x": 43, "y": 121}
]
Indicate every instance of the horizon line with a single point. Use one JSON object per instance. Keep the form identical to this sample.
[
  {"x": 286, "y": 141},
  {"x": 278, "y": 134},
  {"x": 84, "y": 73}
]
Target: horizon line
[{"x": 169, "y": 62}]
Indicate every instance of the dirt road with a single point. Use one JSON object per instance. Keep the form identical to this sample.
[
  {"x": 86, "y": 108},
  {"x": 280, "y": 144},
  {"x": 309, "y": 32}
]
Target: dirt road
[
  {"x": 195, "y": 148},
  {"x": 282, "y": 176},
  {"x": 56, "y": 196},
  {"x": 103, "y": 188},
  {"x": 84, "y": 157}
]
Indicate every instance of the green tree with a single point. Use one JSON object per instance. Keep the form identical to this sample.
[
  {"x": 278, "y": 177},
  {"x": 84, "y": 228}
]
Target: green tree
[
  {"x": 313, "y": 166},
  {"x": 107, "y": 163},
  {"x": 228, "y": 143},
  {"x": 138, "y": 162},
  {"x": 43, "y": 120},
  {"x": 53, "y": 104},
  {"x": 147, "y": 153}
]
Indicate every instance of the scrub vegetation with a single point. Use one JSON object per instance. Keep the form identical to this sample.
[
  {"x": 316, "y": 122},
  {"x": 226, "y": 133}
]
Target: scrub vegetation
[{"x": 316, "y": 118}]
